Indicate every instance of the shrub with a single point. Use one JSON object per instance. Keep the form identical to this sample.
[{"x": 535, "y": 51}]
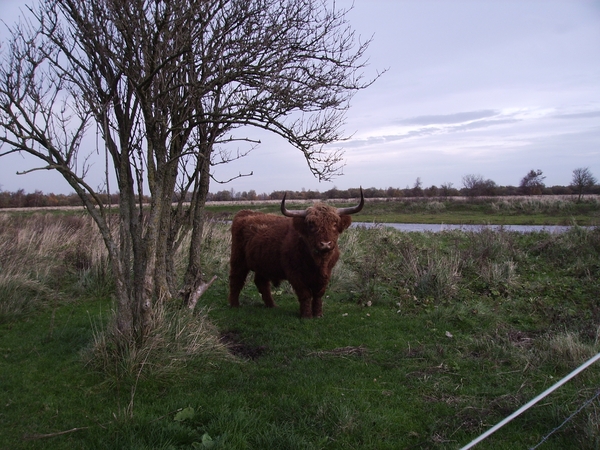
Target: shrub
[
  {"x": 490, "y": 256},
  {"x": 383, "y": 265},
  {"x": 177, "y": 336},
  {"x": 430, "y": 274},
  {"x": 366, "y": 266}
]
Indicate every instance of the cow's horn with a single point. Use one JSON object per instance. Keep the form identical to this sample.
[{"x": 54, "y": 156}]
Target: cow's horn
[
  {"x": 353, "y": 209},
  {"x": 291, "y": 213}
]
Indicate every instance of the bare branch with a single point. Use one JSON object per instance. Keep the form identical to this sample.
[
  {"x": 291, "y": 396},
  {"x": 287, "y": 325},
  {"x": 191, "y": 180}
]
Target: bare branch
[
  {"x": 24, "y": 172},
  {"x": 240, "y": 175}
]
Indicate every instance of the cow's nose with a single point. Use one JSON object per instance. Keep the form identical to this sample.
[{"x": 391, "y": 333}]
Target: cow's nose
[{"x": 325, "y": 245}]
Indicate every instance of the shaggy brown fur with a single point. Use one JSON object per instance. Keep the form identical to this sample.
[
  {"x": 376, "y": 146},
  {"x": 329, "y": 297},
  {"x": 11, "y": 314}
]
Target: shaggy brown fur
[{"x": 300, "y": 250}]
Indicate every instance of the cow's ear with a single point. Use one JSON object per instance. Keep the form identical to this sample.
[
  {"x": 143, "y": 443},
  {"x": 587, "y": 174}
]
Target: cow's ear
[
  {"x": 344, "y": 223},
  {"x": 300, "y": 225}
]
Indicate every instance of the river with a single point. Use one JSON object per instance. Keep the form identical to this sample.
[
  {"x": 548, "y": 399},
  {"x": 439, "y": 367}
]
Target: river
[{"x": 446, "y": 227}]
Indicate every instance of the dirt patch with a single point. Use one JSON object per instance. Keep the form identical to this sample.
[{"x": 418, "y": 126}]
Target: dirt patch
[
  {"x": 520, "y": 339},
  {"x": 234, "y": 343}
]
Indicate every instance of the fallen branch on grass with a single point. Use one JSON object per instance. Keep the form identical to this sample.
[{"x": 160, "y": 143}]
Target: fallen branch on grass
[
  {"x": 49, "y": 435},
  {"x": 195, "y": 296},
  {"x": 342, "y": 351}
]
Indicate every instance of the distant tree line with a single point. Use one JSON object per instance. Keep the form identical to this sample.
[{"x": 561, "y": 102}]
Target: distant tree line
[
  {"x": 37, "y": 199},
  {"x": 473, "y": 185}
]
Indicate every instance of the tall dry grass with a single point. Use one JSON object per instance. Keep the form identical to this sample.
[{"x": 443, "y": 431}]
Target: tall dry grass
[
  {"x": 216, "y": 248},
  {"x": 39, "y": 253},
  {"x": 542, "y": 204},
  {"x": 177, "y": 337},
  {"x": 383, "y": 265}
]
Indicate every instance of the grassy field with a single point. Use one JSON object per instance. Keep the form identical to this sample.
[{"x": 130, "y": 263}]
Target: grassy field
[
  {"x": 549, "y": 210},
  {"x": 428, "y": 340}
]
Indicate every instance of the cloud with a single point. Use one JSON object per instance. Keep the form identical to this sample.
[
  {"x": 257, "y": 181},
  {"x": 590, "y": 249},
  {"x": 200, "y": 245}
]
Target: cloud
[
  {"x": 450, "y": 118},
  {"x": 482, "y": 124},
  {"x": 423, "y": 126},
  {"x": 583, "y": 115}
]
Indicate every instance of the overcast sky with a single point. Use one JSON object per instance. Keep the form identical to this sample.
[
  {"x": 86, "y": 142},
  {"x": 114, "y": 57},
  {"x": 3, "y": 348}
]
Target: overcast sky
[{"x": 489, "y": 87}]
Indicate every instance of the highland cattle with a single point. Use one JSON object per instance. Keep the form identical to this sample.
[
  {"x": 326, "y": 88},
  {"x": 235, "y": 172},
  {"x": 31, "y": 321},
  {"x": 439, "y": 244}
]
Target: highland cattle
[{"x": 301, "y": 247}]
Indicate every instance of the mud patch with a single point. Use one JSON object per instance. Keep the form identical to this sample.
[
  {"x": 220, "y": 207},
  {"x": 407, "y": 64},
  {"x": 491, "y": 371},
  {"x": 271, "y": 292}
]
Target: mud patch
[{"x": 235, "y": 345}]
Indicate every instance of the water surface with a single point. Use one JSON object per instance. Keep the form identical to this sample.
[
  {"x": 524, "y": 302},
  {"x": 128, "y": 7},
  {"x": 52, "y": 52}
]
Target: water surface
[{"x": 436, "y": 227}]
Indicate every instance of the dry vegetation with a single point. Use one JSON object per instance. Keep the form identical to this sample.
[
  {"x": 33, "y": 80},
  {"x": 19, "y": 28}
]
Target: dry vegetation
[{"x": 39, "y": 252}]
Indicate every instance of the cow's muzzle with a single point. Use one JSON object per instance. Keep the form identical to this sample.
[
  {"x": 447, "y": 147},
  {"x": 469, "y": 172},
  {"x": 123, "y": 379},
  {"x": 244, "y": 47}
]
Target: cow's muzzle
[{"x": 324, "y": 247}]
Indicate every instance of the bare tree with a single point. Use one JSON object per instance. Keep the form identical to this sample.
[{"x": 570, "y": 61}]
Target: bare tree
[
  {"x": 417, "y": 189},
  {"x": 168, "y": 84},
  {"x": 582, "y": 180},
  {"x": 447, "y": 189},
  {"x": 532, "y": 183},
  {"x": 476, "y": 185}
]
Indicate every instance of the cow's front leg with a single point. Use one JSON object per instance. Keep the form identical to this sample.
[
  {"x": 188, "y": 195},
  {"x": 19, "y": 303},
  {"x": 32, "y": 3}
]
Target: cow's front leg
[
  {"x": 305, "y": 297},
  {"x": 264, "y": 287},
  {"x": 317, "y": 307},
  {"x": 305, "y": 308}
]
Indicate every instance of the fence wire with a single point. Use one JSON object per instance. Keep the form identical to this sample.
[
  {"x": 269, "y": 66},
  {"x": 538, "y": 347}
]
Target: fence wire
[
  {"x": 532, "y": 402},
  {"x": 567, "y": 420}
]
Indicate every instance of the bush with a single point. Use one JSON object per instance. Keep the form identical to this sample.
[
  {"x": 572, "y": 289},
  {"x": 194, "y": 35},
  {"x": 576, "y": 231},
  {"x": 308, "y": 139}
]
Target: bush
[{"x": 177, "y": 337}]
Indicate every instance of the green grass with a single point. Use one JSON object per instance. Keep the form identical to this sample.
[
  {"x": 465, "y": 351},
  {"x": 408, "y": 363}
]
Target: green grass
[{"x": 427, "y": 341}]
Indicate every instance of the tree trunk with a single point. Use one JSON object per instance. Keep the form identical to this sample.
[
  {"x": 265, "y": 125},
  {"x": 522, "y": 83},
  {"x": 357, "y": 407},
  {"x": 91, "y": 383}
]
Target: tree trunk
[
  {"x": 167, "y": 226},
  {"x": 193, "y": 277}
]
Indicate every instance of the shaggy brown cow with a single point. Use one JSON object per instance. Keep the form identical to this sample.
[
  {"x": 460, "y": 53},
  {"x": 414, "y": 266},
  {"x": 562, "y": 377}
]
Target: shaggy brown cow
[{"x": 301, "y": 248}]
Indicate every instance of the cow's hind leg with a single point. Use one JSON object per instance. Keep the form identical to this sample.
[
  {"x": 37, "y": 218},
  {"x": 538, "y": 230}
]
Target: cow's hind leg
[
  {"x": 237, "y": 278},
  {"x": 264, "y": 287}
]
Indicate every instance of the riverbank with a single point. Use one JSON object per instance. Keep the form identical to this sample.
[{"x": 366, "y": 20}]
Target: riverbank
[
  {"x": 548, "y": 211},
  {"x": 439, "y": 227},
  {"x": 538, "y": 211}
]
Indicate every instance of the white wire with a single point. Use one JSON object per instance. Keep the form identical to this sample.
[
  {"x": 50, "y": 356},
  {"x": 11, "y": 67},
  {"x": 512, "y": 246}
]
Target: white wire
[{"x": 532, "y": 402}]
